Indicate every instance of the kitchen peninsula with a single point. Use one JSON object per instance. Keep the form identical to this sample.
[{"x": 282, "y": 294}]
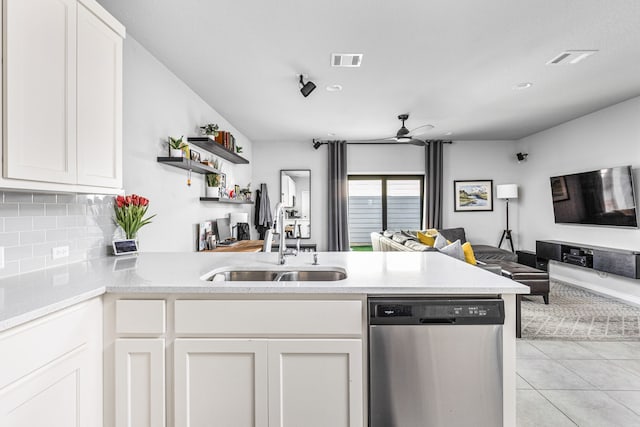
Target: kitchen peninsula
[{"x": 176, "y": 347}]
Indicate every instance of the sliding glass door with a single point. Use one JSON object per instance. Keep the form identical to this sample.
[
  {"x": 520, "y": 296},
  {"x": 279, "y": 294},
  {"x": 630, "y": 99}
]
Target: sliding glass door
[{"x": 384, "y": 202}]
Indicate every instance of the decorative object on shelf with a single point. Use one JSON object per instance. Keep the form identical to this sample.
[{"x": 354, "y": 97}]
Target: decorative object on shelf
[
  {"x": 219, "y": 147},
  {"x": 471, "y": 196},
  {"x": 238, "y": 149},
  {"x": 130, "y": 212},
  {"x": 176, "y": 146},
  {"x": 507, "y": 191},
  {"x": 212, "y": 181},
  {"x": 195, "y": 155},
  {"x": 209, "y": 129}
]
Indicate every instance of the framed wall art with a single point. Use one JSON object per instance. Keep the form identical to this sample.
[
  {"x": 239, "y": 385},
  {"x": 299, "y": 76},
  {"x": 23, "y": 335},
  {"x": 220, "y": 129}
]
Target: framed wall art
[{"x": 473, "y": 196}]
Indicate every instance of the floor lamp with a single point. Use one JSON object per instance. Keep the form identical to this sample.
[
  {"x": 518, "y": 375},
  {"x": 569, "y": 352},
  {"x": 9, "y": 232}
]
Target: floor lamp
[{"x": 507, "y": 191}]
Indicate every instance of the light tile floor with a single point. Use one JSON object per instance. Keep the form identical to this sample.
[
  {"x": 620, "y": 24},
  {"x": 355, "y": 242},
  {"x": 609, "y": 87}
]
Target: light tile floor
[{"x": 585, "y": 384}]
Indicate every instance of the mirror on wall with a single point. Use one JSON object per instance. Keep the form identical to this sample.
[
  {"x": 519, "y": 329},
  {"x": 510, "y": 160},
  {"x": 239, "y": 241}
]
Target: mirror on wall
[{"x": 295, "y": 193}]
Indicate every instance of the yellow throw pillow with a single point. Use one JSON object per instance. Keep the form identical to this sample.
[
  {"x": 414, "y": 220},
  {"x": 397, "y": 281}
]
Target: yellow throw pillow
[
  {"x": 426, "y": 239},
  {"x": 469, "y": 256}
]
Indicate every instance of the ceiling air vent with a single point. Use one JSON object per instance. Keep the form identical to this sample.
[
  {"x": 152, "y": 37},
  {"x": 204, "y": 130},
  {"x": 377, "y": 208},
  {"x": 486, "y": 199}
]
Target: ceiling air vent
[
  {"x": 346, "y": 59},
  {"x": 571, "y": 57}
]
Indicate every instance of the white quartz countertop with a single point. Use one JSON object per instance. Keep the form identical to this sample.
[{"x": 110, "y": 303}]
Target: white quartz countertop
[{"x": 32, "y": 295}]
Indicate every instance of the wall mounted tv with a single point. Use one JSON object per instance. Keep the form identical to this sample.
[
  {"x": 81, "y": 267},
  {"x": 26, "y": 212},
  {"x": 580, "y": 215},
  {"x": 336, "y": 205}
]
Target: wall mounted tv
[{"x": 602, "y": 197}]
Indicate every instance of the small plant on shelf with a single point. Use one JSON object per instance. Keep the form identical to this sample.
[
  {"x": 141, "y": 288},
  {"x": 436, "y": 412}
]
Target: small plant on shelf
[
  {"x": 238, "y": 149},
  {"x": 176, "y": 146},
  {"x": 209, "y": 129},
  {"x": 213, "y": 184}
]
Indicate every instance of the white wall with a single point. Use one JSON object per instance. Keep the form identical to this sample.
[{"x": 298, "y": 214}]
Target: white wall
[
  {"x": 158, "y": 104},
  {"x": 482, "y": 160},
  {"x": 273, "y": 156},
  {"x": 606, "y": 138}
]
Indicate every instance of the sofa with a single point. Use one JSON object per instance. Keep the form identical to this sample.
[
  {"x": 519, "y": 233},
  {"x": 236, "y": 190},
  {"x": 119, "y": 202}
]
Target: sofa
[{"x": 390, "y": 241}]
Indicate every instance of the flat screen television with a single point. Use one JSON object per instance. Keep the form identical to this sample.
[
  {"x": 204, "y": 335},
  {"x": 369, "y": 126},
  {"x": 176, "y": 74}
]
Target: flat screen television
[{"x": 601, "y": 197}]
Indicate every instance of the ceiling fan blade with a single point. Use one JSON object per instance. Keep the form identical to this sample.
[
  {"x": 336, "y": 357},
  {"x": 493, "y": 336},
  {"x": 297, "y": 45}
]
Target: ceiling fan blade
[{"x": 418, "y": 142}]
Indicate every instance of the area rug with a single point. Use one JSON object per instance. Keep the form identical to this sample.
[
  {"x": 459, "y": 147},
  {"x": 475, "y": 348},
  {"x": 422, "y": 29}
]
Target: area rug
[{"x": 575, "y": 314}]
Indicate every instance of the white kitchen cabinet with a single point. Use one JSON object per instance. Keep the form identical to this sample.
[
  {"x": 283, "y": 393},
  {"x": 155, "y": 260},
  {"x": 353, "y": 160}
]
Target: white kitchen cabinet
[
  {"x": 62, "y": 96},
  {"x": 139, "y": 382},
  {"x": 315, "y": 383},
  {"x": 51, "y": 369},
  {"x": 99, "y": 115},
  {"x": 220, "y": 380},
  {"x": 39, "y": 141}
]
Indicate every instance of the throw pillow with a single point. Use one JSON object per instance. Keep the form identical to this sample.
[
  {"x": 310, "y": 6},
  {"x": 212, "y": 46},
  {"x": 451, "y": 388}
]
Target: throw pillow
[
  {"x": 399, "y": 237},
  {"x": 469, "y": 256},
  {"x": 441, "y": 242},
  {"x": 416, "y": 246},
  {"x": 425, "y": 239},
  {"x": 454, "y": 250},
  {"x": 387, "y": 233}
]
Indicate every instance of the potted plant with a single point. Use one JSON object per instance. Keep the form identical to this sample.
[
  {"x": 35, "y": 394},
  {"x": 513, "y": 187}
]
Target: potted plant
[
  {"x": 209, "y": 129},
  {"x": 175, "y": 146},
  {"x": 212, "y": 181},
  {"x": 130, "y": 212}
]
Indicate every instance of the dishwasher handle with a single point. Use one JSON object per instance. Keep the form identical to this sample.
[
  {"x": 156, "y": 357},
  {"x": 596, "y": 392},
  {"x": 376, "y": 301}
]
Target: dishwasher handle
[{"x": 437, "y": 321}]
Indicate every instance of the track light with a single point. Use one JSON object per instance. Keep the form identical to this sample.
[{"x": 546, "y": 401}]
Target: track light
[
  {"x": 306, "y": 88},
  {"x": 317, "y": 144},
  {"x": 521, "y": 157}
]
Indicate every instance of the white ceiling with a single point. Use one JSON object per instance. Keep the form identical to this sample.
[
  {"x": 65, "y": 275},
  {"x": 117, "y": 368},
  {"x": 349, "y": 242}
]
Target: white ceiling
[{"x": 452, "y": 64}]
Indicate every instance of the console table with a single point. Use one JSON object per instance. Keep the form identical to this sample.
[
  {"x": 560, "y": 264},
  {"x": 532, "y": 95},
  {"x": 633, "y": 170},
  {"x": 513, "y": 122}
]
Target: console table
[{"x": 610, "y": 260}]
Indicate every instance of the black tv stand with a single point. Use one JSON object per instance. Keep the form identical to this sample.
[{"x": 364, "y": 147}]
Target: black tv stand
[{"x": 615, "y": 261}]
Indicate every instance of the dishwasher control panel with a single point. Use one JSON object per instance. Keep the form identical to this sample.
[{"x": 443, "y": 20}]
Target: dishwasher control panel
[{"x": 417, "y": 311}]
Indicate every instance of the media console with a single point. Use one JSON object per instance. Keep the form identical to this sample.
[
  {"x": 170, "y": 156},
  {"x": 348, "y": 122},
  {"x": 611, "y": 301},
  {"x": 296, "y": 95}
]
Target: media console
[{"x": 615, "y": 261}]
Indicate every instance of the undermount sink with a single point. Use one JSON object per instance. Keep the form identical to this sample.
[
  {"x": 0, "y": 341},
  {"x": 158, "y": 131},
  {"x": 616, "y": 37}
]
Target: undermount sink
[{"x": 292, "y": 275}]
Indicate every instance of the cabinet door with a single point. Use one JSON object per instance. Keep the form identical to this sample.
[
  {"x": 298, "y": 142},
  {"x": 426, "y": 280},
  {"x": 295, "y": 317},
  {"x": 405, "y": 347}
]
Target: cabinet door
[
  {"x": 99, "y": 102},
  {"x": 139, "y": 382},
  {"x": 315, "y": 383},
  {"x": 221, "y": 383},
  {"x": 39, "y": 140},
  {"x": 50, "y": 396}
]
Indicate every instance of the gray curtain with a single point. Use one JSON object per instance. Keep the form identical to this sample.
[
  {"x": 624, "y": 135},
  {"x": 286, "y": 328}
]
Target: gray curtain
[
  {"x": 338, "y": 202},
  {"x": 433, "y": 186}
]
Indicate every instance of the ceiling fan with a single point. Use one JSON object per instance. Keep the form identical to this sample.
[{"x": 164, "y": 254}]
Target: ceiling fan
[{"x": 403, "y": 135}]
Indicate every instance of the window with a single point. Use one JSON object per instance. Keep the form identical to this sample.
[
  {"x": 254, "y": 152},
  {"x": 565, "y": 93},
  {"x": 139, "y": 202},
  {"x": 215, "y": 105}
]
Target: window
[{"x": 383, "y": 202}]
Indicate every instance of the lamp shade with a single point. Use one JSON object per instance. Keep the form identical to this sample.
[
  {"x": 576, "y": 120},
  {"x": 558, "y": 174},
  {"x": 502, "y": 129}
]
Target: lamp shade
[{"x": 507, "y": 191}]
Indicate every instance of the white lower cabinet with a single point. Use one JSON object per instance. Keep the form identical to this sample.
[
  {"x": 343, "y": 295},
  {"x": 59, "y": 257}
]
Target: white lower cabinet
[
  {"x": 51, "y": 370},
  {"x": 315, "y": 383},
  {"x": 220, "y": 382},
  {"x": 139, "y": 382},
  {"x": 268, "y": 382}
]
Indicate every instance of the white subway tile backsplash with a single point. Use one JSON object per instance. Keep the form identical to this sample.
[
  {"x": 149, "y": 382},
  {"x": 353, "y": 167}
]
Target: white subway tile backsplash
[
  {"x": 31, "y": 237},
  {"x": 32, "y": 224},
  {"x": 18, "y": 197},
  {"x": 16, "y": 253},
  {"x": 9, "y": 209},
  {"x": 45, "y": 223},
  {"x": 44, "y": 198},
  {"x": 67, "y": 198},
  {"x": 9, "y": 239},
  {"x": 55, "y": 209},
  {"x": 57, "y": 235},
  {"x": 18, "y": 224},
  {"x": 31, "y": 209}
]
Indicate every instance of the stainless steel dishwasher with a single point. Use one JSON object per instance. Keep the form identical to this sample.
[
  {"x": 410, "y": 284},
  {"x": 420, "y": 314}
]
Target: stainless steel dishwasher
[{"x": 435, "y": 362}]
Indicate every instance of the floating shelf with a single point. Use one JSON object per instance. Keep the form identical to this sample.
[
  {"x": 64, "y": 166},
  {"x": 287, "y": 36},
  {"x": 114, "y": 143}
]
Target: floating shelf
[
  {"x": 182, "y": 163},
  {"x": 213, "y": 147},
  {"x": 218, "y": 199}
]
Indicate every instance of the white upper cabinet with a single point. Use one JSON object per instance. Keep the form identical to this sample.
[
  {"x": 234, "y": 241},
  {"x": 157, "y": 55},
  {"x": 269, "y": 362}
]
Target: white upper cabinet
[
  {"x": 99, "y": 102},
  {"x": 40, "y": 90},
  {"x": 62, "y": 109}
]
